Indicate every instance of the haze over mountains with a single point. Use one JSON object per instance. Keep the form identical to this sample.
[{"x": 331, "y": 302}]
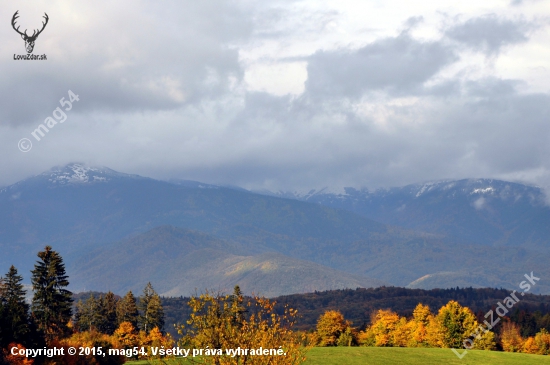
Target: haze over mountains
[
  {"x": 480, "y": 211},
  {"x": 118, "y": 231}
]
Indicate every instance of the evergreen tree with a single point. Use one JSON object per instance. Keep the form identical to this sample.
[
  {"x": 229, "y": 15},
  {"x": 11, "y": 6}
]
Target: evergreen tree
[
  {"x": 127, "y": 310},
  {"x": 155, "y": 313},
  {"x": 108, "y": 305},
  {"x": 15, "y": 316},
  {"x": 88, "y": 314},
  {"x": 79, "y": 315},
  {"x": 144, "y": 300},
  {"x": 51, "y": 303},
  {"x": 3, "y": 323},
  {"x": 236, "y": 305},
  {"x": 152, "y": 313}
]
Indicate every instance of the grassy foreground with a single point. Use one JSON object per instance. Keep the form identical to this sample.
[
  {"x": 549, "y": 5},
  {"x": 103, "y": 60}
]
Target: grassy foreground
[{"x": 409, "y": 356}]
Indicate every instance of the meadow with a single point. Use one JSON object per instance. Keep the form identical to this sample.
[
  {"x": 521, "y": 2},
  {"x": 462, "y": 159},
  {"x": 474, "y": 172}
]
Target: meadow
[{"x": 409, "y": 356}]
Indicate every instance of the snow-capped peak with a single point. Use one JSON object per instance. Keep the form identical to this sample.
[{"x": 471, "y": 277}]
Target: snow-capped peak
[
  {"x": 305, "y": 194},
  {"x": 75, "y": 173}
]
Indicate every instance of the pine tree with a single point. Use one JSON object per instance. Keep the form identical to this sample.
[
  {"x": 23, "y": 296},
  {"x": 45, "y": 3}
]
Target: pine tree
[
  {"x": 15, "y": 316},
  {"x": 51, "y": 304},
  {"x": 236, "y": 306},
  {"x": 127, "y": 310}
]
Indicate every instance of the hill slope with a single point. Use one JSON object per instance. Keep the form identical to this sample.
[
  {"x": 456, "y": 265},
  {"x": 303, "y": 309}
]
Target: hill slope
[{"x": 180, "y": 262}]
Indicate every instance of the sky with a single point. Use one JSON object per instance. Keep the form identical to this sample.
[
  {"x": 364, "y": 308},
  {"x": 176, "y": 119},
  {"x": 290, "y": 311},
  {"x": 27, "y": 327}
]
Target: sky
[{"x": 280, "y": 95}]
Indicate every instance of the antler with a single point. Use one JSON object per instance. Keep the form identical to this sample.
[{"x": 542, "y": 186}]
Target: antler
[
  {"x": 34, "y": 34},
  {"x": 15, "y": 16},
  {"x": 43, "y": 25}
]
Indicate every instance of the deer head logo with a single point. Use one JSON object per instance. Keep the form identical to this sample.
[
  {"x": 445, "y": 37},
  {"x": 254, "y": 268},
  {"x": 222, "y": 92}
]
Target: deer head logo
[{"x": 29, "y": 40}]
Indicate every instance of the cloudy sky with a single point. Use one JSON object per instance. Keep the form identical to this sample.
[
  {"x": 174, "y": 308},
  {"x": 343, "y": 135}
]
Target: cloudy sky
[{"x": 282, "y": 94}]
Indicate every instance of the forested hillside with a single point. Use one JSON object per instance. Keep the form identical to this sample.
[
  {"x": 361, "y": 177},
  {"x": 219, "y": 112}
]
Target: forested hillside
[{"x": 357, "y": 305}]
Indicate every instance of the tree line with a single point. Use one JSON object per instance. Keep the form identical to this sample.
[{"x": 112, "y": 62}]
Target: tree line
[
  {"x": 453, "y": 326},
  {"x": 223, "y": 329},
  {"x": 531, "y": 315}
]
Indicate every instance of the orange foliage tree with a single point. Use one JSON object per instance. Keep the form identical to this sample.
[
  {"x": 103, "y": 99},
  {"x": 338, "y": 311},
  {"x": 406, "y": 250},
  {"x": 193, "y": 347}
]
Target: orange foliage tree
[
  {"x": 540, "y": 344},
  {"x": 98, "y": 354},
  {"x": 154, "y": 338},
  {"x": 510, "y": 338},
  {"x": 15, "y": 359}
]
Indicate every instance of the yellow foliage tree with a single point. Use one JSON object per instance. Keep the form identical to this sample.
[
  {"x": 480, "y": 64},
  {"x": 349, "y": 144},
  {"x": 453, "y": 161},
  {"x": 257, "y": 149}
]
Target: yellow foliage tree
[
  {"x": 458, "y": 324},
  {"x": 382, "y": 328},
  {"x": 402, "y": 333},
  {"x": 422, "y": 316},
  {"x": 330, "y": 326},
  {"x": 219, "y": 323},
  {"x": 435, "y": 333}
]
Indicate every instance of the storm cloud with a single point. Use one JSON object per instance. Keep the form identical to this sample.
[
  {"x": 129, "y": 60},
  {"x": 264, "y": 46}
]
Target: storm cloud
[{"x": 283, "y": 95}]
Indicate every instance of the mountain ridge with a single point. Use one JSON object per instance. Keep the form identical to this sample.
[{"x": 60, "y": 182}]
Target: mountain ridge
[
  {"x": 444, "y": 239},
  {"x": 481, "y": 211}
]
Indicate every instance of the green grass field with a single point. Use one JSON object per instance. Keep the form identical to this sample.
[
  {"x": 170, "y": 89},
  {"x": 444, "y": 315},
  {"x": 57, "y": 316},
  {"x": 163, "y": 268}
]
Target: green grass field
[{"x": 409, "y": 356}]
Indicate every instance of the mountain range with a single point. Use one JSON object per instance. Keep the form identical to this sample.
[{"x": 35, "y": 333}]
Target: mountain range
[
  {"x": 118, "y": 231},
  {"x": 479, "y": 211}
]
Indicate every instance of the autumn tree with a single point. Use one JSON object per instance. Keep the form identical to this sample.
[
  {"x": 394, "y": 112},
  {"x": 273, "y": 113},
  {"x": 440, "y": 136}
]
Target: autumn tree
[
  {"x": 510, "y": 338},
  {"x": 154, "y": 339},
  {"x": 539, "y": 344},
  {"x": 459, "y": 324},
  {"x": 330, "y": 327},
  {"x": 347, "y": 338},
  {"x": 419, "y": 324},
  {"x": 381, "y": 330},
  {"x": 126, "y": 335},
  {"x": 88, "y": 339},
  {"x": 52, "y": 303},
  {"x": 542, "y": 339},
  {"x": 213, "y": 325},
  {"x": 6, "y": 357}
]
